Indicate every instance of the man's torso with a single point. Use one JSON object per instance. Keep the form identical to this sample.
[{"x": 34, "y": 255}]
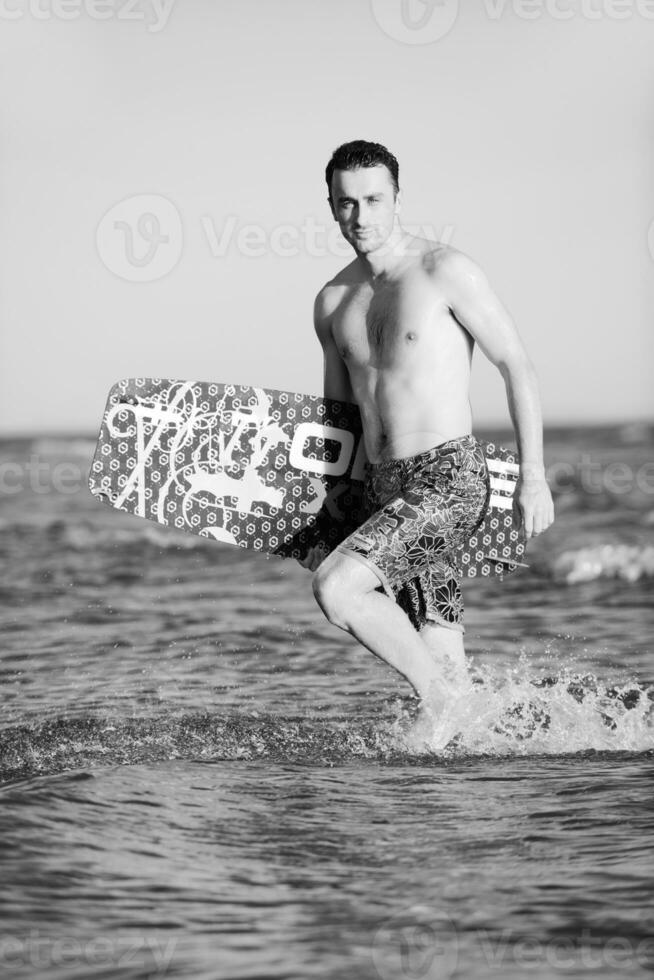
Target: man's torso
[{"x": 407, "y": 356}]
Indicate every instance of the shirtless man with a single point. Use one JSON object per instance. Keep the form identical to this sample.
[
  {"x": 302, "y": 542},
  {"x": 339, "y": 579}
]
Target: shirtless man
[{"x": 397, "y": 327}]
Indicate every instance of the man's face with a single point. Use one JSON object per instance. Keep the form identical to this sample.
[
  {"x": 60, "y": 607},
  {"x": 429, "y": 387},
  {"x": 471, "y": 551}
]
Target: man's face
[{"x": 364, "y": 204}]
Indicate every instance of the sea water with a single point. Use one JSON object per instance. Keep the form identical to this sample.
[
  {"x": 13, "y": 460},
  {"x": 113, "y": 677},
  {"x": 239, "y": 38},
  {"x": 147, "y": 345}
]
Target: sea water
[{"x": 200, "y": 777}]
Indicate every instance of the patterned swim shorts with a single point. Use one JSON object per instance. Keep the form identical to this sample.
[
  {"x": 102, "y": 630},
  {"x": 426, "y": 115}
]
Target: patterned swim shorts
[{"x": 421, "y": 510}]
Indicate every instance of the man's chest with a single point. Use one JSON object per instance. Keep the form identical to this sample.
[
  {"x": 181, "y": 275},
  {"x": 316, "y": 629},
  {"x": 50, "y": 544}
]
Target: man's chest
[{"x": 378, "y": 323}]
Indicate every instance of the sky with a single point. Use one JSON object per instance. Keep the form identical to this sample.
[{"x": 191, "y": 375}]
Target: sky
[{"x": 163, "y": 207}]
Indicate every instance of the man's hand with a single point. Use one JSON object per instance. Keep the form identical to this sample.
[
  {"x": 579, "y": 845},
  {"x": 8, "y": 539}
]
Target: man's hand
[
  {"x": 532, "y": 504},
  {"x": 313, "y": 558}
]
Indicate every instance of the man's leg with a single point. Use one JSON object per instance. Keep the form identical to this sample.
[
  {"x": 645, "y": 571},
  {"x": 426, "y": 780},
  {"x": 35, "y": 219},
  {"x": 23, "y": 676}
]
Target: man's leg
[
  {"x": 421, "y": 514},
  {"x": 345, "y": 590},
  {"x": 445, "y": 646},
  {"x": 432, "y": 600}
]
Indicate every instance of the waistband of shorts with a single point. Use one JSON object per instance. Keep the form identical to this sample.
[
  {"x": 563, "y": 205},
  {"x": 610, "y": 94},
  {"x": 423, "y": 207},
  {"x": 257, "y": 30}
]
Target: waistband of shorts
[{"x": 428, "y": 455}]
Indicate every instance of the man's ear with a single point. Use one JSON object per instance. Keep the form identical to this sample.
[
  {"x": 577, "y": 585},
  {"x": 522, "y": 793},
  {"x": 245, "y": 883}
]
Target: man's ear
[
  {"x": 331, "y": 208},
  {"x": 398, "y": 202}
]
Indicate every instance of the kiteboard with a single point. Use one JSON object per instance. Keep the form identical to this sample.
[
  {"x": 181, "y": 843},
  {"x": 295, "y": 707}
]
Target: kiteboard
[{"x": 275, "y": 471}]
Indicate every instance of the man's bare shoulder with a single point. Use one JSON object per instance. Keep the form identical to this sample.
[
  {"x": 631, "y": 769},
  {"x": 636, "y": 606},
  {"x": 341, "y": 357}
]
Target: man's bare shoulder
[
  {"x": 448, "y": 267},
  {"x": 333, "y": 291}
]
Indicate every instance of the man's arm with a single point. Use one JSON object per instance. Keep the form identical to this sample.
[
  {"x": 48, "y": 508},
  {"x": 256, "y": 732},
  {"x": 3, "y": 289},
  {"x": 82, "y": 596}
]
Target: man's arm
[
  {"x": 336, "y": 378},
  {"x": 336, "y": 384},
  {"x": 477, "y": 308}
]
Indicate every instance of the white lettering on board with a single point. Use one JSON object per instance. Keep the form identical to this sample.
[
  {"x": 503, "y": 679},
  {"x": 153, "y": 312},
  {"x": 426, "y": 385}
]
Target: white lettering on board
[{"x": 313, "y": 430}]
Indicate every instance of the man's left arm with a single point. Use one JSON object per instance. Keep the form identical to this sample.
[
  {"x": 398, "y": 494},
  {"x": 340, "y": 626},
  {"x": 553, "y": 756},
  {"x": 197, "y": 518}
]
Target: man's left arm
[{"x": 476, "y": 307}]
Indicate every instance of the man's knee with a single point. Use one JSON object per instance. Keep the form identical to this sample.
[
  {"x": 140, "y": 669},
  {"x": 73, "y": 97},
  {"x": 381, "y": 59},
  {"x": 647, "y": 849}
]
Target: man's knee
[{"x": 331, "y": 595}]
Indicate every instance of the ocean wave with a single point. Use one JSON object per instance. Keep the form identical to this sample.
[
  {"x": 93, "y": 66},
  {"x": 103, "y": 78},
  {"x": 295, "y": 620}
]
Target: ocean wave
[
  {"x": 599, "y": 559},
  {"x": 622, "y": 561},
  {"x": 89, "y": 536},
  {"x": 512, "y": 715},
  {"x": 79, "y": 446}
]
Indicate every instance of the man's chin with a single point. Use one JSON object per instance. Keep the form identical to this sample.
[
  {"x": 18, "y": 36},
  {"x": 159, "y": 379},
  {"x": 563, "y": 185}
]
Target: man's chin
[{"x": 367, "y": 243}]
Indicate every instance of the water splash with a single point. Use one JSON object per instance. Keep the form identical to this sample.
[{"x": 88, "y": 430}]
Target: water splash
[{"x": 513, "y": 712}]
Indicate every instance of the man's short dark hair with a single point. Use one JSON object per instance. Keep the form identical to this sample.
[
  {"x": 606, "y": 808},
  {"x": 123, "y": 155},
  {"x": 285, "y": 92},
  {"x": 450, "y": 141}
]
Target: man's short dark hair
[{"x": 361, "y": 153}]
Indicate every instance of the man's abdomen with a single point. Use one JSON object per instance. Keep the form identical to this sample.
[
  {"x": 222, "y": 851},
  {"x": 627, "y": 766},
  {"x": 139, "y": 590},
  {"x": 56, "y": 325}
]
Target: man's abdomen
[{"x": 409, "y": 415}]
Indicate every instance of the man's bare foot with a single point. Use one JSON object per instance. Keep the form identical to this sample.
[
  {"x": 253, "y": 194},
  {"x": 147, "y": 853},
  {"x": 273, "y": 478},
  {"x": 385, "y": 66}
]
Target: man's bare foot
[
  {"x": 438, "y": 719},
  {"x": 425, "y": 717}
]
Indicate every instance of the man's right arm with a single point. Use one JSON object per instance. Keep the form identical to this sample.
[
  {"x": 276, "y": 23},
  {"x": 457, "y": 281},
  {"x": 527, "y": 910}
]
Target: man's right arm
[
  {"x": 336, "y": 384},
  {"x": 336, "y": 378}
]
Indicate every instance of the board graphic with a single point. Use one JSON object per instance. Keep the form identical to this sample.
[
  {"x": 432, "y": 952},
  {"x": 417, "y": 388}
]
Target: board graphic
[{"x": 275, "y": 471}]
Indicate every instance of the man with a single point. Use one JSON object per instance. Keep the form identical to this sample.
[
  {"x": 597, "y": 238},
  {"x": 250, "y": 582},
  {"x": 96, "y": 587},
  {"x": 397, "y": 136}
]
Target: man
[{"x": 397, "y": 327}]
